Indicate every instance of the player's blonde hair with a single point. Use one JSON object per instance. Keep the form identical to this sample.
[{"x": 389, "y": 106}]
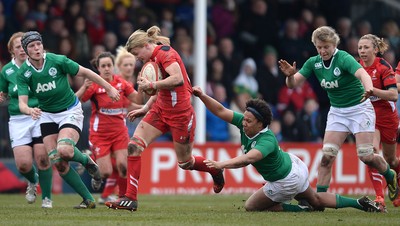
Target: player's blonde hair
[
  {"x": 325, "y": 34},
  {"x": 122, "y": 53},
  {"x": 139, "y": 38},
  {"x": 377, "y": 42}
]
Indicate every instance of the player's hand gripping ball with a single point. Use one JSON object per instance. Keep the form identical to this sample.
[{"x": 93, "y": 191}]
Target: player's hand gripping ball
[{"x": 152, "y": 73}]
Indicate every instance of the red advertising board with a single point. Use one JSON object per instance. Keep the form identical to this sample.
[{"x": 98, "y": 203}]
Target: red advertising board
[{"x": 161, "y": 174}]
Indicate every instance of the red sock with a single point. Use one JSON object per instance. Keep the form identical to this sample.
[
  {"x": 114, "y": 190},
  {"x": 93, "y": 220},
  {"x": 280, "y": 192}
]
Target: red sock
[
  {"x": 133, "y": 174},
  {"x": 111, "y": 182},
  {"x": 199, "y": 165},
  {"x": 122, "y": 186},
  {"x": 376, "y": 179}
]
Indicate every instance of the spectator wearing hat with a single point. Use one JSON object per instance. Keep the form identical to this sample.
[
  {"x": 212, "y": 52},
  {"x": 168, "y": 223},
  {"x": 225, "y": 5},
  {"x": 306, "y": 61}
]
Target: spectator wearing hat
[{"x": 269, "y": 77}]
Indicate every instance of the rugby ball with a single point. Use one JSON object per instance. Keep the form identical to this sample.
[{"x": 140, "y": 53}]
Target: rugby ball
[{"x": 151, "y": 72}]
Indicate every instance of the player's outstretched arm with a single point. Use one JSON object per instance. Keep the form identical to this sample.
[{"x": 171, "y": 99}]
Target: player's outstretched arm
[{"x": 213, "y": 105}]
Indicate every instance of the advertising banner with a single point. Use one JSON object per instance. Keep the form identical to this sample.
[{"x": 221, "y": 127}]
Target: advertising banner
[{"x": 160, "y": 173}]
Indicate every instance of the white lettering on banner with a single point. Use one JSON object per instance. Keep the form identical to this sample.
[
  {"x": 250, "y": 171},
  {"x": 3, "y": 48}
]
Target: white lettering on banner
[
  {"x": 164, "y": 161},
  {"x": 158, "y": 165},
  {"x": 340, "y": 177}
]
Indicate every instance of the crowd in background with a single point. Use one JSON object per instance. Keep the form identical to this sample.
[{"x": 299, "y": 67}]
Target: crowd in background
[{"x": 245, "y": 40}]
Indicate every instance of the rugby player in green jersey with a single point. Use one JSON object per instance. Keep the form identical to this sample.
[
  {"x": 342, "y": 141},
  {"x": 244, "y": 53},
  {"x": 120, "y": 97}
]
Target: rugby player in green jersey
[
  {"x": 286, "y": 174},
  {"x": 59, "y": 110},
  {"x": 349, "y": 87},
  {"x": 25, "y": 137}
]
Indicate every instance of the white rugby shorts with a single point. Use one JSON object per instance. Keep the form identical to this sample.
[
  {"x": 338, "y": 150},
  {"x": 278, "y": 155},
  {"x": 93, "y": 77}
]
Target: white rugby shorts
[
  {"x": 355, "y": 119},
  {"x": 22, "y": 129},
  {"x": 295, "y": 182}
]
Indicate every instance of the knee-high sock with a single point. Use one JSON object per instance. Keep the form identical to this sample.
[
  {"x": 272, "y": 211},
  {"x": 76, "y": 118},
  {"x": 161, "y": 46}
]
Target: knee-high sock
[
  {"x": 343, "y": 202},
  {"x": 201, "y": 166},
  {"x": 45, "y": 181},
  {"x": 74, "y": 180},
  {"x": 388, "y": 174},
  {"x": 132, "y": 176},
  {"x": 79, "y": 157},
  {"x": 31, "y": 175},
  {"x": 121, "y": 181},
  {"x": 376, "y": 180},
  {"x": 111, "y": 182}
]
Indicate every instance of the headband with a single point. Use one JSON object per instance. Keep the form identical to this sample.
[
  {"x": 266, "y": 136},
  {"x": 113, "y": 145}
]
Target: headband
[{"x": 255, "y": 113}]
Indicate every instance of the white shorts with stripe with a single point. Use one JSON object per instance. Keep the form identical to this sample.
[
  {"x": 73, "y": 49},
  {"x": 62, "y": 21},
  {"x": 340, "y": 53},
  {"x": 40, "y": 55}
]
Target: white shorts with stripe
[
  {"x": 22, "y": 129},
  {"x": 73, "y": 116},
  {"x": 355, "y": 119},
  {"x": 295, "y": 182}
]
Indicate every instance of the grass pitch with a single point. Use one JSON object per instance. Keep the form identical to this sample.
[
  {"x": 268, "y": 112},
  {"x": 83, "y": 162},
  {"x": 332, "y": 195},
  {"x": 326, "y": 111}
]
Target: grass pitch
[{"x": 178, "y": 210}]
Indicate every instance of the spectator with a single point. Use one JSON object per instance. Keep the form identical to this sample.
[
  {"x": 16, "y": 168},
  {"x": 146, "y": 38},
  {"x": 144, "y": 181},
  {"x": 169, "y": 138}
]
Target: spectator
[
  {"x": 216, "y": 128},
  {"x": 245, "y": 85},
  {"x": 292, "y": 131},
  {"x": 269, "y": 77},
  {"x": 232, "y": 61},
  {"x": 54, "y": 32},
  {"x": 223, "y": 18},
  {"x": 344, "y": 29},
  {"x": 291, "y": 46},
  {"x": 391, "y": 32},
  {"x": 310, "y": 120},
  {"x": 95, "y": 20},
  {"x": 110, "y": 41},
  {"x": 253, "y": 34},
  {"x": 276, "y": 128},
  {"x": 81, "y": 39},
  {"x": 295, "y": 98}
]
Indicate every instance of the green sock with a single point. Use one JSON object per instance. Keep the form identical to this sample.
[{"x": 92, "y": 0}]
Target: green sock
[
  {"x": 79, "y": 157},
  {"x": 31, "y": 175},
  {"x": 388, "y": 174},
  {"x": 322, "y": 188},
  {"x": 74, "y": 180},
  {"x": 45, "y": 181},
  {"x": 293, "y": 208},
  {"x": 343, "y": 202}
]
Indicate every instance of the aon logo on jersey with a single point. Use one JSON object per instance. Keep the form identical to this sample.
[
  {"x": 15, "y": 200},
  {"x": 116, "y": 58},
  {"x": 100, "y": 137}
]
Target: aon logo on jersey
[
  {"x": 329, "y": 85},
  {"x": 45, "y": 87}
]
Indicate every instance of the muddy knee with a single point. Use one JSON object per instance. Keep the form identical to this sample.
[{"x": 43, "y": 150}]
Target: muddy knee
[{"x": 136, "y": 146}]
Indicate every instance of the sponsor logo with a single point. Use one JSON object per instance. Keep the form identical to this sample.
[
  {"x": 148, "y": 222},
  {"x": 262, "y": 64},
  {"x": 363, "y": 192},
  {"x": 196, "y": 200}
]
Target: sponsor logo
[
  {"x": 329, "y": 84},
  {"x": 45, "y": 87},
  {"x": 111, "y": 111},
  {"x": 318, "y": 65}
]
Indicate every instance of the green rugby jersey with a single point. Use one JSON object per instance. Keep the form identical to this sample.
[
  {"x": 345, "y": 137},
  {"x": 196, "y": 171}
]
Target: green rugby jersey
[
  {"x": 276, "y": 163},
  {"x": 8, "y": 84},
  {"x": 50, "y": 83},
  {"x": 338, "y": 80}
]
